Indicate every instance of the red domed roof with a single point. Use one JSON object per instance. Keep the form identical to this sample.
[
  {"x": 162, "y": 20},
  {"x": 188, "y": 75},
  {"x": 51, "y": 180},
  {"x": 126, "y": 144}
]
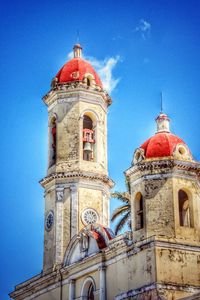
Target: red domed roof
[
  {"x": 161, "y": 144},
  {"x": 75, "y": 70}
]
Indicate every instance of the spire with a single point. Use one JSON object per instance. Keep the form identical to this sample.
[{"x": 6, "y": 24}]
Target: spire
[
  {"x": 77, "y": 51},
  {"x": 161, "y": 103},
  {"x": 162, "y": 121}
]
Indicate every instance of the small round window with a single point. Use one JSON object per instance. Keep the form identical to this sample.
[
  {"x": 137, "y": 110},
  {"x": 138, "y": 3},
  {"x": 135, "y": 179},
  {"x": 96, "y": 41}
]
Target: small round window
[
  {"x": 49, "y": 220},
  {"x": 89, "y": 216},
  {"x": 182, "y": 150}
]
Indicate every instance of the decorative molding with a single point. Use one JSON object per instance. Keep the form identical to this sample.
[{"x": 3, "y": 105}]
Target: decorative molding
[
  {"x": 82, "y": 184},
  {"x": 77, "y": 175},
  {"x": 130, "y": 293},
  {"x": 156, "y": 165},
  {"x": 178, "y": 246},
  {"x": 156, "y": 286},
  {"x": 175, "y": 174},
  {"x": 49, "y": 98},
  {"x": 38, "y": 280}
]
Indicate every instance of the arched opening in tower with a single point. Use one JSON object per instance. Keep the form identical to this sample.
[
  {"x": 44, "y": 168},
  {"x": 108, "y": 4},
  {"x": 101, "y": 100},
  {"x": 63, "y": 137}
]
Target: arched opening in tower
[
  {"x": 88, "y": 139},
  {"x": 53, "y": 138},
  {"x": 184, "y": 209}
]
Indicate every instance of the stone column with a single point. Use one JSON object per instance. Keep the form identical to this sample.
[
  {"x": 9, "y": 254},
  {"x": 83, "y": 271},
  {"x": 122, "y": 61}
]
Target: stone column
[
  {"x": 74, "y": 210},
  {"x": 59, "y": 225},
  {"x": 72, "y": 289},
  {"x": 102, "y": 284}
]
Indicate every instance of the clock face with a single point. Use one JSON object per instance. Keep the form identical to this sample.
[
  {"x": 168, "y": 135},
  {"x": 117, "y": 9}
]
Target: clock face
[
  {"x": 49, "y": 220},
  {"x": 89, "y": 216}
]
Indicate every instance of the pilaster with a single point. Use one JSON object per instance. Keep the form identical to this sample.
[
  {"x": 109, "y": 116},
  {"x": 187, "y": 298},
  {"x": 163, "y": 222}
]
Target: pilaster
[
  {"x": 59, "y": 225},
  {"x": 74, "y": 210}
]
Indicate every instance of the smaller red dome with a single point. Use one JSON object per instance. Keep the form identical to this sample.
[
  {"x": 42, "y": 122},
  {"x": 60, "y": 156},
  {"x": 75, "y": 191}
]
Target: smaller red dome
[
  {"x": 161, "y": 144},
  {"x": 75, "y": 70}
]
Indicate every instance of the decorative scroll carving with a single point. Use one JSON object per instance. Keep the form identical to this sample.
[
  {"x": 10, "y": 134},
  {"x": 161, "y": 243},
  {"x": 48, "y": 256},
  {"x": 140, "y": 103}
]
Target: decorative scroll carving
[{"x": 59, "y": 194}]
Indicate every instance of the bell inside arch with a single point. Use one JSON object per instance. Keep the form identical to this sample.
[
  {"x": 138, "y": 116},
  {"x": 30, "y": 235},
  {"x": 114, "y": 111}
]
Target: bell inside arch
[{"x": 87, "y": 147}]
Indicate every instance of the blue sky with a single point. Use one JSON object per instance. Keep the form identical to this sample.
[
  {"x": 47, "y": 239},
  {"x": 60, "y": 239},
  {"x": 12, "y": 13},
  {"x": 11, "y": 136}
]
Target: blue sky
[{"x": 154, "y": 47}]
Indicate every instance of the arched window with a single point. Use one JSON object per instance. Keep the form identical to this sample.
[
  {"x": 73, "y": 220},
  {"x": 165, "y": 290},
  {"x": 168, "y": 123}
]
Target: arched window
[
  {"x": 88, "y": 139},
  {"x": 88, "y": 289},
  {"x": 90, "y": 295},
  {"x": 53, "y": 129},
  {"x": 88, "y": 82},
  {"x": 139, "y": 211},
  {"x": 184, "y": 209},
  {"x": 87, "y": 122}
]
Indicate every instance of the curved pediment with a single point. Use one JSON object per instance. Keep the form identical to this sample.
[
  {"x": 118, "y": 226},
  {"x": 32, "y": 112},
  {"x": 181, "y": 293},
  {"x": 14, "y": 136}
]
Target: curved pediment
[{"x": 90, "y": 240}]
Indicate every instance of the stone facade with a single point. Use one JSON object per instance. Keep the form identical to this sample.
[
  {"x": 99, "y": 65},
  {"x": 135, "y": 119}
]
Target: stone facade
[{"x": 159, "y": 258}]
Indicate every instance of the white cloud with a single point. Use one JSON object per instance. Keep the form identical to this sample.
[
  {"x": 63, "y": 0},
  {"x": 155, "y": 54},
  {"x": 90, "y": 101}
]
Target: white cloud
[
  {"x": 105, "y": 70},
  {"x": 70, "y": 55},
  {"x": 144, "y": 28}
]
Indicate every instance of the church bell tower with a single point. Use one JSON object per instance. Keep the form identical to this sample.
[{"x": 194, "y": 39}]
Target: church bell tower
[{"x": 77, "y": 184}]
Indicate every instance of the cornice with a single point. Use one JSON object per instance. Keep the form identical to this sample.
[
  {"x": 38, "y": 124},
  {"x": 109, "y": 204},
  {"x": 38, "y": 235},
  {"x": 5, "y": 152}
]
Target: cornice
[
  {"x": 71, "y": 88},
  {"x": 26, "y": 288},
  {"x": 161, "y": 165},
  {"x": 77, "y": 175},
  {"x": 159, "y": 286}
]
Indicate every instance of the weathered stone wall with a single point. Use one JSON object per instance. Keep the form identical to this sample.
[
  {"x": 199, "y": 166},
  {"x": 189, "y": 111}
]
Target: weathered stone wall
[
  {"x": 69, "y": 112},
  {"x": 131, "y": 272},
  {"x": 159, "y": 189},
  {"x": 90, "y": 198},
  {"x": 178, "y": 266}
]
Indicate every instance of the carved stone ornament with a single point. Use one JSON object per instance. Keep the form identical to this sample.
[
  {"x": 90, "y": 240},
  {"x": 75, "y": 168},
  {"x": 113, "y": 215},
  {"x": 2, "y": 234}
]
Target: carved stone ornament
[
  {"x": 138, "y": 156},
  {"x": 59, "y": 194}
]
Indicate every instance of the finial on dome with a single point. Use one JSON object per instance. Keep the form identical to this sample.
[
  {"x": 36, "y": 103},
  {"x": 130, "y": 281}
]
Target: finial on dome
[
  {"x": 162, "y": 121},
  {"x": 77, "y": 50}
]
